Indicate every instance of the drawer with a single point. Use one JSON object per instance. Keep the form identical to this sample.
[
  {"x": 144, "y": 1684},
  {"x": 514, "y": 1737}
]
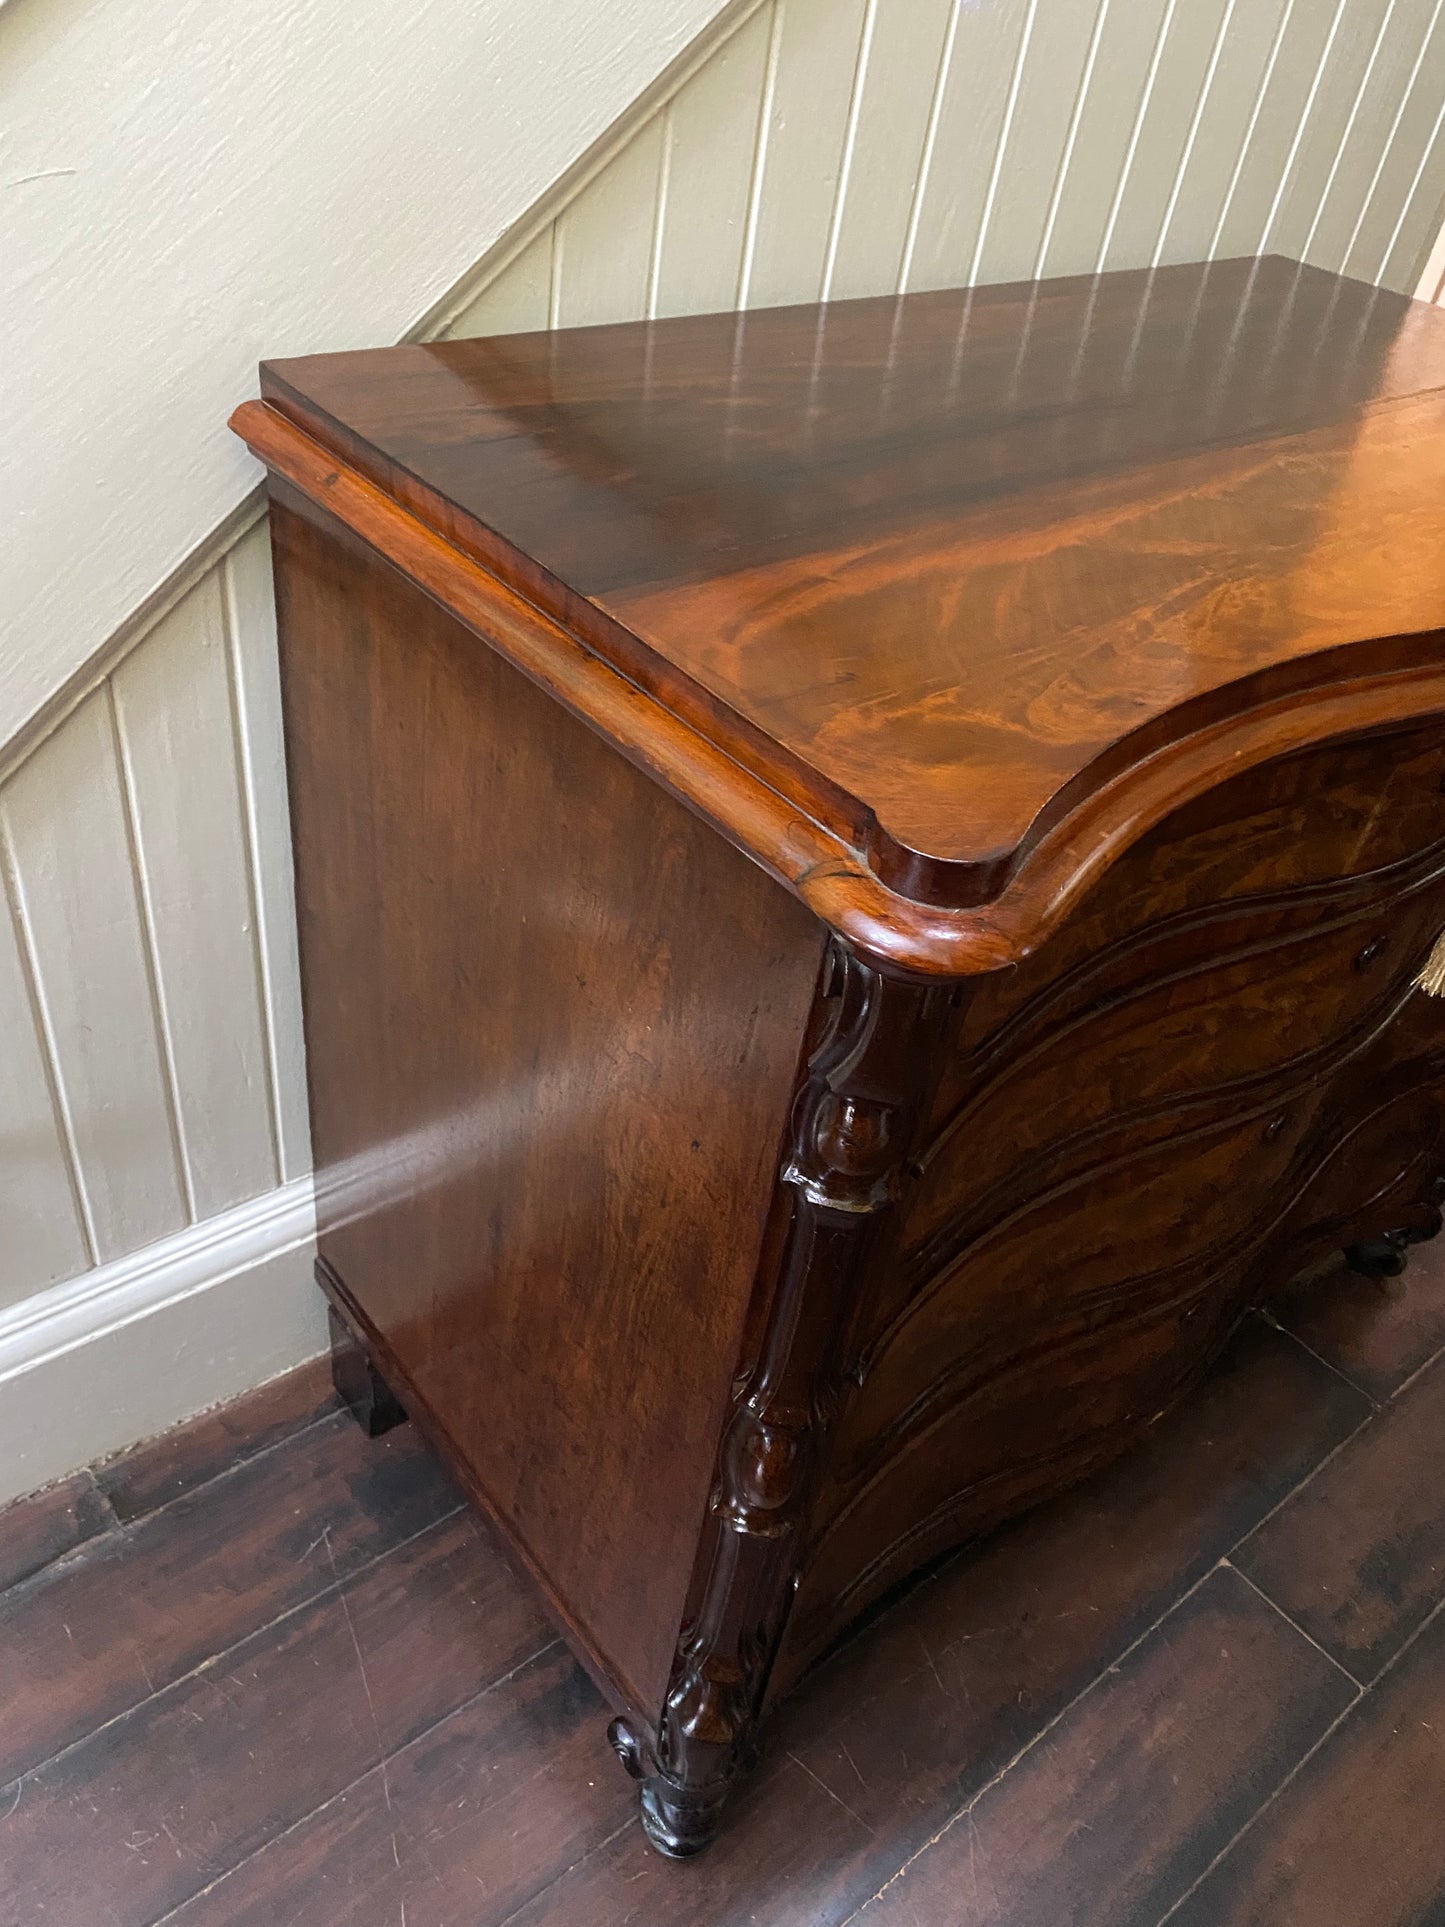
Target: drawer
[
  {"x": 1266, "y": 1009},
  {"x": 1306, "y": 840}
]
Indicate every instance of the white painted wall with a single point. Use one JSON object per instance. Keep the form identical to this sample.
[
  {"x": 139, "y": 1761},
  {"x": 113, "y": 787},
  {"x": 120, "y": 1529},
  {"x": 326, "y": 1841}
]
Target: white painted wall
[
  {"x": 187, "y": 187},
  {"x": 152, "y": 1096}
]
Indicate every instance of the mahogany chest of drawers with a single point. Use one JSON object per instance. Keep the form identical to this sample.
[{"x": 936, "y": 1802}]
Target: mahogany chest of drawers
[{"x": 862, "y": 872}]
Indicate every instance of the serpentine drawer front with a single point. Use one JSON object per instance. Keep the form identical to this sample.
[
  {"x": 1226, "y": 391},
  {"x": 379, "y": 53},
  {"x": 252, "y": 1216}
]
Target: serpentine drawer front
[{"x": 863, "y": 873}]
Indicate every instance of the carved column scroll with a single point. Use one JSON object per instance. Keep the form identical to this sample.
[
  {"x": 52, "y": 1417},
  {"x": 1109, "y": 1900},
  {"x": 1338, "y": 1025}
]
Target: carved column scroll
[{"x": 851, "y": 1125}]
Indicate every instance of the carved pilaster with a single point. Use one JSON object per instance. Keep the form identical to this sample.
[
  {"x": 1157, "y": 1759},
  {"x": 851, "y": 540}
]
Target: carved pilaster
[{"x": 851, "y": 1123}]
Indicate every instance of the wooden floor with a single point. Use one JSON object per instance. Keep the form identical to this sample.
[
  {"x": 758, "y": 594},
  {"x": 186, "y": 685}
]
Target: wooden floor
[{"x": 266, "y": 1674}]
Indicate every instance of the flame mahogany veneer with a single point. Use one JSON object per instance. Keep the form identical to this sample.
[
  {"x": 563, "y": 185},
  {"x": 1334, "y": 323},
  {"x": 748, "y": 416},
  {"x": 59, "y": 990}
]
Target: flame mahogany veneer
[{"x": 861, "y": 872}]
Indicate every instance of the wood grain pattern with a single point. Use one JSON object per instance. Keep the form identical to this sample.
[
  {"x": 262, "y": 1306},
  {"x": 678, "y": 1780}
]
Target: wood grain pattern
[
  {"x": 1128, "y": 1758},
  {"x": 470, "y": 1792},
  {"x": 932, "y": 130},
  {"x": 87, "y": 1640},
  {"x": 1085, "y": 628},
  {"x": 152, "y": 1475},
  {"x": 1354, "y": 1837},
  {"x": 1373, "y": 1331},
  {"x": 1364, "y": 1588},
  {"x": 45, "y": 1526},
  {"x": 1002, "y": 540},
  {"x": 685, "y": 973},
  {"x": 341, "y": 1669}
]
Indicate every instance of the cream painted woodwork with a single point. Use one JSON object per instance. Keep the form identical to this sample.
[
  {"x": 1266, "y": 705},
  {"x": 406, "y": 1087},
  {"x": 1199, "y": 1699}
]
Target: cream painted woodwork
[
  {"x": 152, "y": 1068},
  {"x": 71, "y": 841},
  {"x": 42, "y": 1235},
  {"x": 176, "y": 735},
  {"x": 190, "y": 186}
]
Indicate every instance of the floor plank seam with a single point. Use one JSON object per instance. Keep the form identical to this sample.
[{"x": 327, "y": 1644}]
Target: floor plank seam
[
  {"x": 225, "y": 1652},
  {"x": 1294, "y": 1491},
  {"x": 599, "y": 1846},
  {"x": 106, "y": 1500},
  {"x": 1436, "y": 1357},
  {"x": 225, "y": 1472},
  {"x": 100, "y": 1537},
  {"x": 343, "y": 1792},
  {"x": 67, "y": 1561},
  {"x": 1305, "y": 1758},
  {"x": 1267, "y": 1317},
  {"x": 1300, "y": 1764},
  {"x": 967, "y": 1808},
  {"x": 1274, "y": 1605}
]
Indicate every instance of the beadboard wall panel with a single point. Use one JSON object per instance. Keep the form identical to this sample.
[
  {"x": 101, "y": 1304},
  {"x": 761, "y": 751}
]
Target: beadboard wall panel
[
  {"x": 255, "y": 690},
  {"x": 44, "y": 1238},
  {"x": 839, "y": 147},
  {"x": 153, "y": 1069},
  {"x": 178, "y": 758},
  {"x": 71, "y": 842}
]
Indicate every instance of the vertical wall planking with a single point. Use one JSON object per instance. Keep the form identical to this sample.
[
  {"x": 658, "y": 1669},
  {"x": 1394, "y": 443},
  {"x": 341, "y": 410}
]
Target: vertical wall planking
[
  {"x": 1420, "y": 213},
  {"x": 1265, "y": 166},
  {"x": 517, "y": 301},
  {"x": 1110, "y": 112},
  {"x": 178, "y": 753},
  {"x": 1227, "y": 116},
  {"x": 1345, "y": 72},
  {"x": 847, "y": 145},
  {"x": 1388, "y": 192},
  {"x": 890, "y": 123},
  {"x": 712, "y": 134},
  {"x": 1404, "y": 27},
  {"x": 1431, "y": 285},
  {"x": 919, "y": 143},
  {"x": 66, "y": 826},
  {"x": 42, "y": 1238},
  {"x": 982, "y": 68},
  {"x": 603, "y": 261},
  {"x": 821, "y": 59},
  {"x": 1173, "y": 109},
  {"x": 1042, "y": 128},
  {"x": 255, "y": 689}
]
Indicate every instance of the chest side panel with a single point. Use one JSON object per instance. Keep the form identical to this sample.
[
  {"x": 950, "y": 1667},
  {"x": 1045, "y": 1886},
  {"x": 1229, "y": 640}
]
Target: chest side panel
[
  {"x": 1220, "y": 1068},
  {"x": 553, "y": 1023}
]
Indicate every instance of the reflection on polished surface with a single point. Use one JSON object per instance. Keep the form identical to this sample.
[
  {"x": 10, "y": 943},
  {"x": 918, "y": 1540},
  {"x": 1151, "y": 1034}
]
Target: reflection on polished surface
[
  {"x": 937, "y": 555},
  {"x": 862, "y": 876}
]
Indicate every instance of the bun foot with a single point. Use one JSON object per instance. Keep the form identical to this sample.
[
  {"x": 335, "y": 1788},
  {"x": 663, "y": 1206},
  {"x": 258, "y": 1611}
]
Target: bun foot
[
  {"x": 359, "y": 1386},
  {"x": 680, "y": 1822},
  {"x": 1387, "y": 1255},
  {"x": 1377, "y": 1257}
]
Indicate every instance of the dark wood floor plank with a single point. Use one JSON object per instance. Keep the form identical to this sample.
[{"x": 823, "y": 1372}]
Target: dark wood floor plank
[
  {"x": 82, "y": 1642},
  {"x": 468, "y": 1821},
  {"x": 38, "y": 1530},
  {"x": 1119, "y": 1809},
  {"x": 440, "y": 1620},
  {"x": 888, "y": 1738},
  {"x": 1357, "y": 1839},
  {"x": 173, "y": 1795},
  {"x": 1014, "y": 1629},
  {"x": 502, "y": 1802},
  {"x": 775, "y": 1863},
  {"x": 1376, "y": 1331},
  {"x": 189, "y": 1455},
  {"x": 1358, "y": 1556}
]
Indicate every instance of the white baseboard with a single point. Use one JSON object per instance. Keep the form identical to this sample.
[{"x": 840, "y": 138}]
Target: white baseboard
[{"x": 119, "y": 1354}]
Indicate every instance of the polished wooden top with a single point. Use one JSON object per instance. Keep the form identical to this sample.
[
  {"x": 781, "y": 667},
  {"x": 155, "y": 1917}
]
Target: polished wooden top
[{"x": 940, "y": 570}]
